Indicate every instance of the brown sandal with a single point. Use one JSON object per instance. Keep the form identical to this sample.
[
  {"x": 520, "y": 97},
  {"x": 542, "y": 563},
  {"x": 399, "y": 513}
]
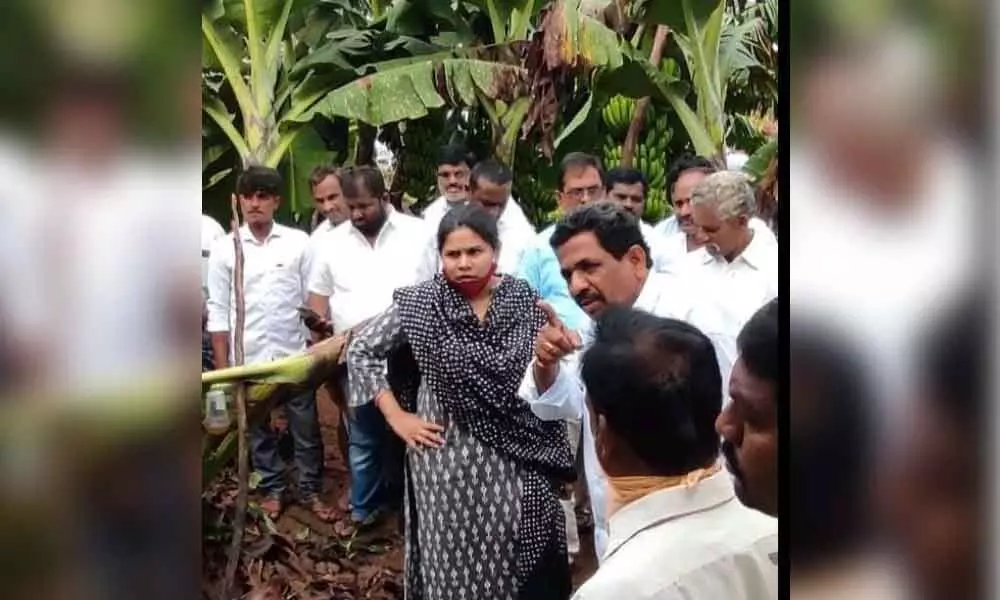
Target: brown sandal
[{"x": 323, "y": 511}]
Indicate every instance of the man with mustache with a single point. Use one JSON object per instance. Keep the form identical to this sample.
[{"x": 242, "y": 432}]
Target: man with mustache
[
  {"x": 749, "y": 422},
  {"x": 455, "y": 166},
  {"x": 677, "y": 233},
  {"x": 324, "y": 183},
  {"x": 489, "y": 187},
  {"x": 605, "y": 260},
  {"x": 355, "y": 271},
  {"x": 738, "y": 265}
]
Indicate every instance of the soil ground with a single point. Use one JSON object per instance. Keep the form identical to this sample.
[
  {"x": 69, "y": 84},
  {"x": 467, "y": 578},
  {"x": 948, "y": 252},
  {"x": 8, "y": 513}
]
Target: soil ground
[{"x": 307, "y": 558}]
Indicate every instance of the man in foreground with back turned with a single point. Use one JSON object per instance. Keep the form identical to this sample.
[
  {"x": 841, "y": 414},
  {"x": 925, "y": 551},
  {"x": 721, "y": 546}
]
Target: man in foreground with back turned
[
  {"x": 606, "y": 261},
  {"x": 677, "y": 529}
]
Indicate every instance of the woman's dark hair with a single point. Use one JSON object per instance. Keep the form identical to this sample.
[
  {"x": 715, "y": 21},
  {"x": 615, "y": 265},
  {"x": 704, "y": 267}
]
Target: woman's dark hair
[
  {"x": 657, "y": 384},
  {"x": 829, "y": 445},
  {"x": 616, "y": 229},
  {"x": 256, "y": 179},
  {"x": 473, "y": 217}
]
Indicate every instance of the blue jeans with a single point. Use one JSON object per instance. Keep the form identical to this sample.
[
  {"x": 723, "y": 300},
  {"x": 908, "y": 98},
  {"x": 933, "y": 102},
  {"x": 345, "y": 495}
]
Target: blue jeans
[
  {"x": 303, "y": 424},
  {"x": 367, "y": 433}
]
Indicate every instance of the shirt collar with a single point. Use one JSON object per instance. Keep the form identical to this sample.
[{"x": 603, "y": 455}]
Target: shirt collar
[
  {"x": 666, "y": 505},
  {"x": 247, "y": 236},
  {"x": 753, "y": 254},
  {"x": 649, "y": 294}
]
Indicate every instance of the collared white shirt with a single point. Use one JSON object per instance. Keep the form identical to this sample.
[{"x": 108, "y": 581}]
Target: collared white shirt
[
  {"x": 359, "y": 277},
  {"x": 663, "y": 296},
  {"x": 698, "y": 543},
  {"x": 325, "y": 226},
  {"x": 274, "y": 279},
  {"x": 741, "y": 286},
  {"x": 672, "y": 254},
  {"x": 515, "y": 231},
  {"x": 653, "y": 240},
  {"x": 668, "y": 226},
  {"x": 436, "y": 211},
  {"x": 322, "y": 230}
]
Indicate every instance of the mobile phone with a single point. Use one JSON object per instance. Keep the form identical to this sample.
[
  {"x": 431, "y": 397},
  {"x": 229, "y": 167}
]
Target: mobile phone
[{"x": 314, "y": 321}]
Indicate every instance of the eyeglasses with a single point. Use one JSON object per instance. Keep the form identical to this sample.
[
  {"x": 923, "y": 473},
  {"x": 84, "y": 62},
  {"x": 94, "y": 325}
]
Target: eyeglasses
[{"x": 579, "y": 193}]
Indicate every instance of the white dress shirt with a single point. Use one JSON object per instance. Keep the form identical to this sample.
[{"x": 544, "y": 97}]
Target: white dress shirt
[
  {"x": 359, "y": 277},
  {"x": 274, "y": 279},
  {"x": 698, "y": 543},
  {"x": 515, "y": 231},
  {"x": 672, "y": 255},
  {"x": 663, "y": 296},
  {"x": 668, "y": 226},
  {"x": 741, "y": 286}
]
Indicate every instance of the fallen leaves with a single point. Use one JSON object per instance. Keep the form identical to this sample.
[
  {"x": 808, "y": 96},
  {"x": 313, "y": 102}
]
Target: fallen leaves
[{"x": 291, "y": 559}]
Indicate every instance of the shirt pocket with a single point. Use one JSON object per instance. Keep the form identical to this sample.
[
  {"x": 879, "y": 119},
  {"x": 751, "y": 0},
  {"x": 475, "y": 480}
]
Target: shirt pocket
[{"x": 284, "y": 272}]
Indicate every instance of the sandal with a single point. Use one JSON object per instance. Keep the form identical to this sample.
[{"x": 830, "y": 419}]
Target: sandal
[
  {"x": 323, "y": 511},
  {"x": 272, "y": 505}
]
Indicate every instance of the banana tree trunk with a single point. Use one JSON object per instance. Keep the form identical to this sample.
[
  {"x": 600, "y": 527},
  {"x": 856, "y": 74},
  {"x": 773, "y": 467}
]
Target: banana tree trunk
[{"x": 639, "y": 119}]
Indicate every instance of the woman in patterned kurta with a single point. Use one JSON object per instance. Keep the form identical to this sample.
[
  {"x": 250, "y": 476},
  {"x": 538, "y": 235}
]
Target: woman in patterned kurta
[{"x": 483, "y": 521}]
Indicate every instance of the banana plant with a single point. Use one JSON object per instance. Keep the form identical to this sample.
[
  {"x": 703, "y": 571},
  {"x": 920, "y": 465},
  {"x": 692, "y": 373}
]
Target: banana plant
[
  {"x": 255, "y": 93},
  {"x": 714, "y": 45},
  {"x": 497, "y": 76}
]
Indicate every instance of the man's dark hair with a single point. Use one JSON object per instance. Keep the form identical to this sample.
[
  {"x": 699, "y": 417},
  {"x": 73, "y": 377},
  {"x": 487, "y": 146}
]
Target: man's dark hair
[
  {"x": 491, "y": 171},
  {"x": 757, "y": 342},
  {"x": 259, "y": 179},
  {"x": 455, "y": 154},
  {"x": 683, "y": 165},
  {"x": 473, "y": 217},
  {"x": 657, "y": 384},
  {"x": 320, "y": 173},
  {"x": 575, "y": 161},
  {"x": 616, "y": 229},
  {"x": 625, "y": 176},
  {"x": 356, "y": 180}
]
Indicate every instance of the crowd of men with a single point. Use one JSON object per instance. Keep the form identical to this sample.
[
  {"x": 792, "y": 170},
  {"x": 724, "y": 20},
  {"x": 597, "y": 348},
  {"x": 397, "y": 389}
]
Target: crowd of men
[{"x": 701, "y": 287}]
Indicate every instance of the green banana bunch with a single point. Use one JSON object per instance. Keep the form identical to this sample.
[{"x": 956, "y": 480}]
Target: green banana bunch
[
  {"x": 617, "y": 115},
  {"x": 656, "y": 208},
  {"x": 651, "y": 153},
  {"x": 611, "y": 154}
]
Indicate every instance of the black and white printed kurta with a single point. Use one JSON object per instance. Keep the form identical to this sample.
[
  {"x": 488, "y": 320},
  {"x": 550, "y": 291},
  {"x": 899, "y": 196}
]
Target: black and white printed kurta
[{"x": 482, "y": 522}]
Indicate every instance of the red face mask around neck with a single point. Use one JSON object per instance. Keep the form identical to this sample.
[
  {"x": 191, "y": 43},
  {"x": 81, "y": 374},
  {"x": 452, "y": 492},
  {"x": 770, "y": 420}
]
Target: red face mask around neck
[{"x": 470, "y": 288}]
